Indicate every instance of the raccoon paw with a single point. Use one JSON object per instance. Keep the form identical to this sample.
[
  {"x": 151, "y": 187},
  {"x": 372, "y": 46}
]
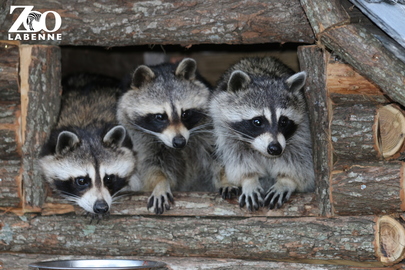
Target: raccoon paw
[
  {"x": 230, "y": 192},
  {"x": 159, "y": 203},
  {"x": 252, "y": 198},
  {"x": 277, "y": 196}
]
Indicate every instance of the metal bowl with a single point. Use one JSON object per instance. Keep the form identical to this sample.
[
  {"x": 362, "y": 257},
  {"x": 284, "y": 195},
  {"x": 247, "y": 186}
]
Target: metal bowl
[{"x": 97, "y": 265}]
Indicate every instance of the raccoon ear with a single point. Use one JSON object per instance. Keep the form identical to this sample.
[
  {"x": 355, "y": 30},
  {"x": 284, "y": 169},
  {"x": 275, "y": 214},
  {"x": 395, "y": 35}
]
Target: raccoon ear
[
  {"x": 142, "y": 75},
  {"x": 187, "y": 69},
  {"x": 238, "y": 81},
  {"x": 297, "y": 81},
  {"x": 67, "y": 141},
  {"x": 115, "y": 137}
]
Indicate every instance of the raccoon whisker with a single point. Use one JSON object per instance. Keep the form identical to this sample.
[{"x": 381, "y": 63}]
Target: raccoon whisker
[
  {"x": 141, "y": 128},
  {"x": 202, "y": 129},
  {"x": 243, "y": 137},
  {"x": 70, "y": 197}
]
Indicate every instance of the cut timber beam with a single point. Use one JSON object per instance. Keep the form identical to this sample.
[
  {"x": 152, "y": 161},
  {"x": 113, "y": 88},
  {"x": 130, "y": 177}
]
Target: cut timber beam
[{"x": 390, "y": 239}]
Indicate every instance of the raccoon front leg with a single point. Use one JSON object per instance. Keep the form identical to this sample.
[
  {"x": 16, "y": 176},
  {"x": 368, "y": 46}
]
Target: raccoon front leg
[
  {"x": 251, "y": 193},
  {"x": 162, "y": 197},
  {"x": 280, "y": 192},
  {"x": 227, "y": 190}
]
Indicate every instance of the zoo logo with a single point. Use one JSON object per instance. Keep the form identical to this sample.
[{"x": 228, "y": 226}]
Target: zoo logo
[{"x": 33, "y": 21}]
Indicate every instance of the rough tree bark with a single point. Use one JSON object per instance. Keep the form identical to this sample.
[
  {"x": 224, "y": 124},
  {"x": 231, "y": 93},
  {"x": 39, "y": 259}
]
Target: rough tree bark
[
  {"x": 313, "y": 60},
  {"x": 40, "y": 75},
  {"x": 342, "y": 238},
  {"x": 173, "y": 22},
  {"x": 10, "y": 136},
  {"x": 367, "y": 188}
]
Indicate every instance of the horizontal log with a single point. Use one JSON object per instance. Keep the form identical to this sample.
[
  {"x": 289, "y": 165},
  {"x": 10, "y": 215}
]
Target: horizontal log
[
  {"x": 40, "y": 96},
  {"x": 354, "y": 133},
  {"x": 346, "y": 86},
  {"x": 341, "y": 238},
  {"x": 10, "y": 146},
  {"x": 9, "y": 113},
  {"x": 9, "y": 183},
  {"x": 9, "y": 64},
  {"x": 173, "y": 22},
  {"x": 195, "y": 204},
  {"x": 20, "y": 261},
  {"x": 367, "y": 188}
]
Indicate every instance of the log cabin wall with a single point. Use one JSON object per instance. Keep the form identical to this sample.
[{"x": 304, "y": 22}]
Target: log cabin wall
[{"x": 334, "y": 225}]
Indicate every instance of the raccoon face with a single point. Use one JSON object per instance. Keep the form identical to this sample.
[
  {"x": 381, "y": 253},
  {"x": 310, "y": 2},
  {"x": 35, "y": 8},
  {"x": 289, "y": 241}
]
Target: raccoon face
[
  {"x": 267, "y": 133},
  {"x": 172, "y": 125},
  {"x": 87, "y": 171},
  {"x": 169, "y": 104},
  {"x": 264, "y": 115}
]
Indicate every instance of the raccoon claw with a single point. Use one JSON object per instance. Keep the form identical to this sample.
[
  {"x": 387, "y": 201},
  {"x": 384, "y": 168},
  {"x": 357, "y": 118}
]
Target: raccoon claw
[
  {"x": 276, "y": 199},
  {"x": 160, "y": 203},
  {"x": 253, "y": 201},
  {"x": 229, "y": 192}
]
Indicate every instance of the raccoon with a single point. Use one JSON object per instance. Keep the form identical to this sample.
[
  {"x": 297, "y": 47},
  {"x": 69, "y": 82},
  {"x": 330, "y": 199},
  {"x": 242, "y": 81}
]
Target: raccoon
[
  {"x": 262, "y": 132},
  {"x": 166, "y": 115},
  {"x": 88, "y": 158}
]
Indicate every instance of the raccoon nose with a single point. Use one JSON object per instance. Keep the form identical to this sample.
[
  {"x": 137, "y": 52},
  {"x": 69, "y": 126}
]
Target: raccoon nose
[
  {"x": 100, "y": 207},
  {"x": 179, "y": 142},
  {"x": 274, "y": 149}
]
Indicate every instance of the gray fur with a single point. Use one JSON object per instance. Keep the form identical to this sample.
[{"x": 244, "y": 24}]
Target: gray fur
[
  {"x": 161, "y": 89},
  {"x": 87, "y": 144},
  {"x": 262, "y": 87}
]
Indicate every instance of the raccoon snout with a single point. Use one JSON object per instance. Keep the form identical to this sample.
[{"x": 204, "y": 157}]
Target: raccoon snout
[
  {"x": 179, "y": 142},
  {"x": 100, "y": 207},
  {"x": 274, "y": 149}
]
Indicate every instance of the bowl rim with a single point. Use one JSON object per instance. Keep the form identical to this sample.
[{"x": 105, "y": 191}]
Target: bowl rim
[{"x": 49, "y": 264}]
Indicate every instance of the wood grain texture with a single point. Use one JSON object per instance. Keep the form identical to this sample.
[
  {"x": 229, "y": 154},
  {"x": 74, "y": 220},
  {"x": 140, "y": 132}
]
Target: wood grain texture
[
  {"x": 174, "y": 22},
  {"x": 346, "y": 86}
]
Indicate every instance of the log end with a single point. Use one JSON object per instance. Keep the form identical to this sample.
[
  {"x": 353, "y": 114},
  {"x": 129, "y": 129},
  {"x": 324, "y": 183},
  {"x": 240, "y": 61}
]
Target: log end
[
  {"x": 389, "y": 240},
  {"x": 390, "y": 130}
]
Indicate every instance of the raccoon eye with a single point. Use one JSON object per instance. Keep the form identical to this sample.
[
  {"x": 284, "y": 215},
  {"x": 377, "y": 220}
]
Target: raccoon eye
[
  {"x": 82, "y": 181},
  {"x": 109, "y": 178},
  {"x": 186, "y": 114},
  {"x": 283, "y": 121},
  {"x": 160, "y": 117},
  {"x": 257, "y": 122}
]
